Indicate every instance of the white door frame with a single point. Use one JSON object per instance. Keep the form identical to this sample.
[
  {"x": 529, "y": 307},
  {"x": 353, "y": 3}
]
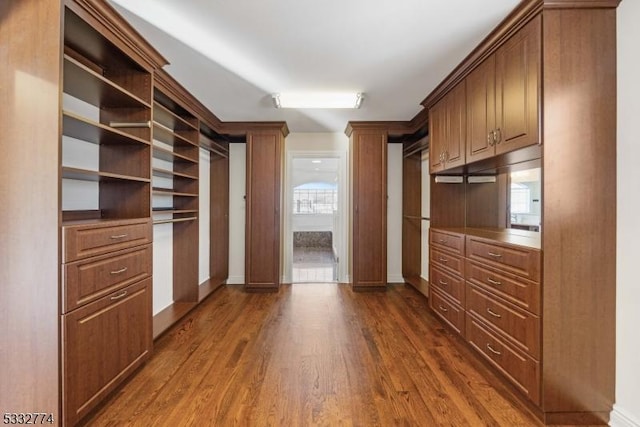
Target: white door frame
[{"x": 343, "y": 211}]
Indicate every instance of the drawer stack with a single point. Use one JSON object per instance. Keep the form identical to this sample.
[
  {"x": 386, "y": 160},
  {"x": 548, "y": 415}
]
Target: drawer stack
[
  {"x": 503, "y": 309},
  {"x": 106, "y": 308},
  {"x": 446, "y": 273}
]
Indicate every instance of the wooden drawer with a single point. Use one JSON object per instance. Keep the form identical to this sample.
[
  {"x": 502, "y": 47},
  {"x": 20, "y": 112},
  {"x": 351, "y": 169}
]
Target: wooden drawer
[
  {"x": 448, "y": 284},
  {"x": 90, "y": 279},
  {"x": 447, "y": 261},
  {"x": 451, "y": 313},
  {"x": 450, "y": 241},
  {"x": 87, "y": 240},
  {"x": 520, "y": 369},
  {"x": 518, "y": 260},
  {"x": 103, "y": 342},
  {"x": 520, "y": 327},
  {"x": 524, "y": 293}
]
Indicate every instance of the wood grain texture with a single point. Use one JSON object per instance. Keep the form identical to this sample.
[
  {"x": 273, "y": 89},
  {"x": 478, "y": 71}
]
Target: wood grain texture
[
  {"x": 411, "y": 216},
  {"x": 264, "y": 216},
  {"x": 30, "y": 72},
  {"x": 219, "y": 219},
  {"x": 369, "y": 186},
  {"x": 579, "y": 230},
  {"x": 313, "y": 355}
]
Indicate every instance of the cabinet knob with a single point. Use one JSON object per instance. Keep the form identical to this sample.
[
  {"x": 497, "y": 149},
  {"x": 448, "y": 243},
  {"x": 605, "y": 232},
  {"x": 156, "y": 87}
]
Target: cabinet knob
[
  {"x": 491, "y": 138},
  {"x": 498, "y": 136}
]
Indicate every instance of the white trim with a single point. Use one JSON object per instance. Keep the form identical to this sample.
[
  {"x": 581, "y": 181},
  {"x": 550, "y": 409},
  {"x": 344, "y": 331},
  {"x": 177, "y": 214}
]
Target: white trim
[
  {"x": 235, "y": 280},
  {"x": 621, "y": 418},
  {"x": 343, "y": 210},
  {"x": 395, "y": 278}
]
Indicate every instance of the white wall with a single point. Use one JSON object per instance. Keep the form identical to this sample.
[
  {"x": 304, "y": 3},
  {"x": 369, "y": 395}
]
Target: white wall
[
  {"x": 394, "y": 214},
  {"x": 627, "y": 408},
  {"x": 204, "y": 213},
  {"x": 237, "y": 211},
  {"x": 312, "y": 222},
  {"x": 426, "y": 213}
]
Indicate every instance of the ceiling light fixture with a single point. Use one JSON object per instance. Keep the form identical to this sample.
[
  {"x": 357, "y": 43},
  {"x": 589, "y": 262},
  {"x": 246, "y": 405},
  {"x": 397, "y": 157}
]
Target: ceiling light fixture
[
  {"x": 317, "y": 99},
  {"x": 316, "y": 161}
]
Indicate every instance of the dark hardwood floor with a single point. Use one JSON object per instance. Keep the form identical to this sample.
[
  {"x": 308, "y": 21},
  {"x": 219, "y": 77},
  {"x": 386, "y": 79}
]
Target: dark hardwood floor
[{"x": 312, "y": 354}]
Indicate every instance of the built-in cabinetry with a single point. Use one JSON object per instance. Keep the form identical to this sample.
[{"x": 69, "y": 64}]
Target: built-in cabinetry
[
  {"x": 368, "y": 156},
  {"x": 447, "y": 130},
  {"x": 218, "y": 150},
  {"x": 412, "y": 219},
  {"x": 105, "y": 216},
  {"x": 502, "y": 109},
  {"x": 538, "y": 307},
  {"x": 263, "y": 248}
]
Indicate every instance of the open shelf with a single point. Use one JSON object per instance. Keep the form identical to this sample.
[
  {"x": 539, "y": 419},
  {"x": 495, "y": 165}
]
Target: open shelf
[
  {"x": 171, "y": 192},
  {"x": 165, "y": 173},
  {"x": 170, "y": 156},
  {"x": 82, "y": 128},
  {"x": 170, "y": 120},
  {"x": 98, "y": 176},
  {"x": 210, "y": 145},
  {"x": 170, "y": 137},
  {"x": 84, "y": 83},
  {"x": 173, "y": 211},
  {"x": 174, "y": 220}
]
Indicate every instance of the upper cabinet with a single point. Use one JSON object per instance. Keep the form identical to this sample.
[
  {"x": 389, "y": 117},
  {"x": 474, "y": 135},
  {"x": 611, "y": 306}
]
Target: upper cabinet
[
  {"x": 447, "y": 127},
  {"x": 503, "y": 97}
]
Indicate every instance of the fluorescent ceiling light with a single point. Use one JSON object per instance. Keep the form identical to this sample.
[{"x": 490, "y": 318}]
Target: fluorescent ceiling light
[
  {"x": 317, "y": 100},
  {"x": 316, "y": 161}
]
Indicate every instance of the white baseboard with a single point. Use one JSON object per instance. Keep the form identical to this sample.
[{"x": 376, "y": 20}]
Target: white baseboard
[
  {"x": 621, "y": 418},
  {"x": 395, "y": 278},
  {"x": 235, "y": 280}
]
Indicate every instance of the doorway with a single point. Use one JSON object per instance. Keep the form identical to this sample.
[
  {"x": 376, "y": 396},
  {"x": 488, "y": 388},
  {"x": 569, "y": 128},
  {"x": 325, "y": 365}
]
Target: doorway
[{"x": 315, "y": 211}]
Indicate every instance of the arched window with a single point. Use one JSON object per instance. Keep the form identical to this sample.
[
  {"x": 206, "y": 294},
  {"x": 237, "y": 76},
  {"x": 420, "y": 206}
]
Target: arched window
[{"x": 315, "y": 198}]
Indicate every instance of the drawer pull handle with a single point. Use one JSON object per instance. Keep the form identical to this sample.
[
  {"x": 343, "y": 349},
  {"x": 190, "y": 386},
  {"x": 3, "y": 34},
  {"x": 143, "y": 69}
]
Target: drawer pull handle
[
  {"x": 495, "y": 255},
  {"x": 118, "y": 236},
  {"x": 444, "y": 309},
  {"x": 122, "y": 295},
  {"x": 442, "y": 282},
  {"x": 493, "y": 282},
  {"x": 442, "y": 241},
  {"x": 491, "y": 349},
  {"x": 122, "y": 270},
  {"x": 493, "y": 313},
  {"x": 443, "y": 259}
]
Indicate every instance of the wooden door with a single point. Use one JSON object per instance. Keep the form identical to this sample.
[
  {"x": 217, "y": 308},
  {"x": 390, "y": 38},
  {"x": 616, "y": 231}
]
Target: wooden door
[
  {"x": 481, "y": 111},
  {"x": 104, "y": 342},
  {"x": 219, "y": 221},
  {"x": 518, "y": 89},
  {"x": 369, "y": 167},
  {"x": 438, "y": 135},
  {"x": 263, "y": 210},
  {"x": 456, "y": 135}
]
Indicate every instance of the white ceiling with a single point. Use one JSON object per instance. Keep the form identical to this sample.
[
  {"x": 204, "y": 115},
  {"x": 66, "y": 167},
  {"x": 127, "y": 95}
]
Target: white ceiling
[{"x": 233, "y": 54}]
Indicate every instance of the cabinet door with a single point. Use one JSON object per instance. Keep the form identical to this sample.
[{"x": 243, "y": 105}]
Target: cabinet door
[
  {"x": 104, "y": 342},
  {"x": 263, "y": 221},
  {"x": 438, "y": 135},
  {"x": 369, "y": 257},
  {"x": 518, "y": 89},
  {"x": 481, "y": 111},
  {"x": 456, "y": 127}
]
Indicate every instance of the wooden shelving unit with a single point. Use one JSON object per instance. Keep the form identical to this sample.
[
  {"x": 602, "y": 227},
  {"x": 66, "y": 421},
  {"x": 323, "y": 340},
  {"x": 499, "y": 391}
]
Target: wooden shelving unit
[
  {"x": 176, "y": 171},
  {"x": 106, "y": 160}
]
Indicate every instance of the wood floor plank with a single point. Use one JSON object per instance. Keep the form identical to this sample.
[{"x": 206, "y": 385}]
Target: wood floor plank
[{"x": 312, "y": 355}]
